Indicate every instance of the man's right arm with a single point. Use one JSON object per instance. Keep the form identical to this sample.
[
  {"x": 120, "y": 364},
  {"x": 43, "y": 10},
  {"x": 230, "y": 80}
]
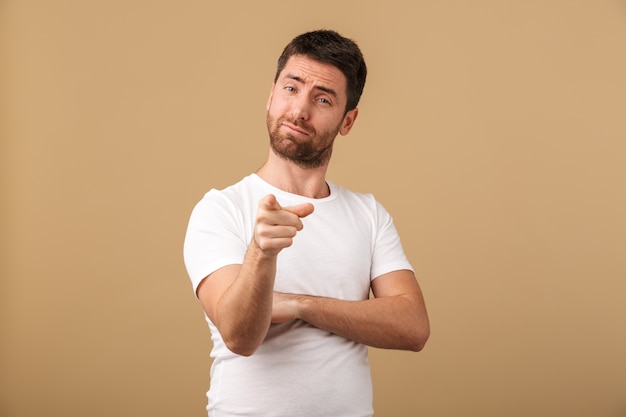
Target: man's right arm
[{"x": 238, "y": 298}]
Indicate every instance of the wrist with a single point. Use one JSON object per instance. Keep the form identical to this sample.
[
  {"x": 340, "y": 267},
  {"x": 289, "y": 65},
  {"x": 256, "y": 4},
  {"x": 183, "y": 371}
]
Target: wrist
[
  {"x": 303, "y": 305},
  {"x": 261, "y": 254}
]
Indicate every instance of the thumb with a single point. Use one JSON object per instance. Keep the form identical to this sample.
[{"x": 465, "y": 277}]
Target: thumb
[
  {"x": 269, "y": 202},
  {"x": 301, "y": 210}
]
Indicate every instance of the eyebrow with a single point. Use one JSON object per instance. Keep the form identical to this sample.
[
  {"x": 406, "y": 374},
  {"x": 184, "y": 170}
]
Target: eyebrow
[{"x": 317, "y": 87}]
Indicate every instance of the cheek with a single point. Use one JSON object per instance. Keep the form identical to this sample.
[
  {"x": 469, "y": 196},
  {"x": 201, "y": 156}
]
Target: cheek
[
  {"x": 335, "y": 124},
  {"x": 276, "y": 108}
]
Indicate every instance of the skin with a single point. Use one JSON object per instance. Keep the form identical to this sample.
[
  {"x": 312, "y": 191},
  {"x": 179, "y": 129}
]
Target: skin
[{"x": 305, "y": 112}]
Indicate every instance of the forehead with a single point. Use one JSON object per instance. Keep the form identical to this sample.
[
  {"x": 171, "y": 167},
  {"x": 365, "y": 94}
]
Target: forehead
[{"x": 314, "y": 72}]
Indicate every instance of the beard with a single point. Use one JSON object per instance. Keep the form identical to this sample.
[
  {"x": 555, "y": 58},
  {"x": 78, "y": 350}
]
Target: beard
[{"x": 313, "y": 153}]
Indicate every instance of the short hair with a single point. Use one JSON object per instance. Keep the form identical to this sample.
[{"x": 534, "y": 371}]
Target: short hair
[{"x": 329, "y": 47}]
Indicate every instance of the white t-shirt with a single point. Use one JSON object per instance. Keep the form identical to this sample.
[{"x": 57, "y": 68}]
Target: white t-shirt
[{"x": 299, "y": 370}]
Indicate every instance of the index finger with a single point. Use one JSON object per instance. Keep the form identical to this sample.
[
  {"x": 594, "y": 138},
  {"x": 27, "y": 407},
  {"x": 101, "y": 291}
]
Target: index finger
[{"x": 269, "y": 202}]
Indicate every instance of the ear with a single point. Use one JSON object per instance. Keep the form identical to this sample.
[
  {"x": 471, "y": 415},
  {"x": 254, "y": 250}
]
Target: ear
[
  {"x": 269, "y": 99},
  {"x": 348, "y": 121}
]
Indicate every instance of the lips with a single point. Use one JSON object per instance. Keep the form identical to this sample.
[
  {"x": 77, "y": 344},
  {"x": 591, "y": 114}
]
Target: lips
[{"x": 296, "y": 129}]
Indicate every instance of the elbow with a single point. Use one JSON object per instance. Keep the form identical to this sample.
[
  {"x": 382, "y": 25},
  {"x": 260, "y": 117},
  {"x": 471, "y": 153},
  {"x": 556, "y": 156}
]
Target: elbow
[
  {"x": 241, "y": 350},
  {"x": 419, "y": 339},
  {"x": 241, "y": 342},
  {"x": 241, "y": 346},
  {"x": 242, "y": 339},
  {"x": 419, "y": 344}
]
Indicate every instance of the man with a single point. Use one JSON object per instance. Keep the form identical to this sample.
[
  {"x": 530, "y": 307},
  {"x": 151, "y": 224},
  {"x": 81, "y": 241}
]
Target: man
[{"x": 283, "y": 261}]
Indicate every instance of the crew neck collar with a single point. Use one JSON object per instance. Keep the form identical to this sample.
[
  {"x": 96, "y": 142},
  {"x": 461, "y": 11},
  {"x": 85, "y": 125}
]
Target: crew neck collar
[{"x": 285, "y": 194}]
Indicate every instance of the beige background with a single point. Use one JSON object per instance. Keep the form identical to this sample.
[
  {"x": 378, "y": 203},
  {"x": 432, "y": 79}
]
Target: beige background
[{"x": 493, "y": 131}]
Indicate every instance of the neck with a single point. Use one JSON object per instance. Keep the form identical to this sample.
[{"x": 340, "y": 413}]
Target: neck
[{"x": 287, "y": 176}]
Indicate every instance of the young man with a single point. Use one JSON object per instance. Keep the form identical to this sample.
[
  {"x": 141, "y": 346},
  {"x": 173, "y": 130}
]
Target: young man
[{"x": 283, "y": 261}]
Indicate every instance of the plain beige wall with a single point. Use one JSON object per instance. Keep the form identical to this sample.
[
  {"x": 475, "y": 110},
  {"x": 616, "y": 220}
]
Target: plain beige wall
[{"x": 494, "y": 131}]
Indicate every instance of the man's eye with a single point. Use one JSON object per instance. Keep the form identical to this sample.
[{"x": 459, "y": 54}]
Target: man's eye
[
  {"x": 290, "y": 88},
  {"x": 324, "y": 101}
]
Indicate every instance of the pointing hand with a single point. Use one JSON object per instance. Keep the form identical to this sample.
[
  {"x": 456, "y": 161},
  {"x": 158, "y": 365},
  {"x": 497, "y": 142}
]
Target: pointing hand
[{"x": 276, "y": 226}]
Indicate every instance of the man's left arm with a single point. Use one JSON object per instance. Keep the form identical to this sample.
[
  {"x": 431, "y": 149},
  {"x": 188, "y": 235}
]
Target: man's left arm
[{"x": 395, "y": 318}]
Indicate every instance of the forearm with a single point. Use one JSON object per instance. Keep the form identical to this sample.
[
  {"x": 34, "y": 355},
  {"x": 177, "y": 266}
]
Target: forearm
[
  {"x": 397, "y": 322},
  {"x": 238, "y": 298},
  {"x": 245, "y": 308}
]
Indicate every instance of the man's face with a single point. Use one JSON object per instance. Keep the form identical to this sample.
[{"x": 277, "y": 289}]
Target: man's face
[{"x": 305, "y": 111}]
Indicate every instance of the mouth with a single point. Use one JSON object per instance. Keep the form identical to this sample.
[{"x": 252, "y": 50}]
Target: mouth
[{"x": 295, "y": 129}]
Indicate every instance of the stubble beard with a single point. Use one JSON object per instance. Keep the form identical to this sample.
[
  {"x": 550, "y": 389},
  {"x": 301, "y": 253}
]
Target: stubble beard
[{"x": 313, "y": 153}]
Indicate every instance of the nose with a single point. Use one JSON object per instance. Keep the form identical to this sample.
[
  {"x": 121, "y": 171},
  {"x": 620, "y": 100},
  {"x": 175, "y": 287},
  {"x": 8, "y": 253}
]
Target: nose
[{"x": 300, "y": 108}]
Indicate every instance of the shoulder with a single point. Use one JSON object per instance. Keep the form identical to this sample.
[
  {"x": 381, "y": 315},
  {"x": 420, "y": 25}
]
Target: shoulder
[{"x": 235, "y": 195}]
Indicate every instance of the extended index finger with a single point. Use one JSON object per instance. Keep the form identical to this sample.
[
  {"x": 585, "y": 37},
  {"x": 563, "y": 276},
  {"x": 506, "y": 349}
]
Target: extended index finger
[{"x": 269, "y": 202}]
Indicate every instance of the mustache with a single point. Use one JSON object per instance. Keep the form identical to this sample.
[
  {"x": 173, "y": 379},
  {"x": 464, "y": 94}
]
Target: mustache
[{"x": 299, "y": 123}]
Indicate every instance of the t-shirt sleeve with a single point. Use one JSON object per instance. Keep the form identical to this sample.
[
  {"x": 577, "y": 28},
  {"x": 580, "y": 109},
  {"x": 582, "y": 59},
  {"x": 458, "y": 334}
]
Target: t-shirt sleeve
[
  {"x": 388, "y": 254},
  {"x": 214, "y": 237}
]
